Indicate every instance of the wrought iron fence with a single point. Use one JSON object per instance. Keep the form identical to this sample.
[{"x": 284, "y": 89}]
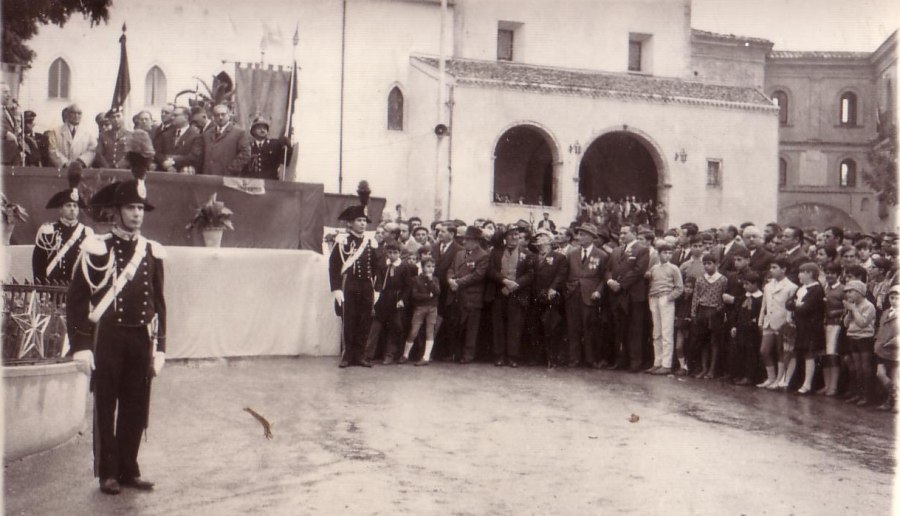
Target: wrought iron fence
[{"x": 34, "y": 323}]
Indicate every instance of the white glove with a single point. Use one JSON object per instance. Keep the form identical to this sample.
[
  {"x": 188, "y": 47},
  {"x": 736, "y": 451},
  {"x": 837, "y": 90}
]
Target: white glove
[
  {"x": 339, "y": 297},
  {"x": 84, "y": 360},
  {"x": 375, "y": 298},
  {"x": 158, "y": 360}
]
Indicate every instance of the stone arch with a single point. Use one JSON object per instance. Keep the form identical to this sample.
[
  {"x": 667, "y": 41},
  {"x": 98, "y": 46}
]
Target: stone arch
[
  {"x": 525, "y": 159},
  {"x": 816, "y": 215}
]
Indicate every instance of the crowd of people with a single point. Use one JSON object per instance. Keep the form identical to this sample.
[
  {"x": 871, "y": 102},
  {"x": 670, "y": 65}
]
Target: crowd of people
[
  {"x": 186, "y": 140},
  {"x": 810, "y": 312},
  {"x": 628, "y": 210}
]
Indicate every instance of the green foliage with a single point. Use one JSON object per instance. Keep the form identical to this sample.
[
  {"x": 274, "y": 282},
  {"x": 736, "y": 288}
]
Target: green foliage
[{"x": 22, "y": 18}]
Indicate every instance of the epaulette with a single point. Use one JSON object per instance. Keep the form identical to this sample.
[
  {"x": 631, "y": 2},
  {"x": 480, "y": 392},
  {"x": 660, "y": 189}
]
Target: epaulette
[
  {"x": 95, "y": 244},
  {"x": 158, "y": 250},
  {"x": 46, "y": 229},
  {"x": 88, "y": 231},
  {"x": 340, "y": 238}
]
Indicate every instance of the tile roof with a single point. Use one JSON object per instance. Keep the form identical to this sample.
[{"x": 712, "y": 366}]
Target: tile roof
[
  {"x": 794, "y": 54},
  {"x": 545, "y": 79},
  {"x": 729, "y": 37}
]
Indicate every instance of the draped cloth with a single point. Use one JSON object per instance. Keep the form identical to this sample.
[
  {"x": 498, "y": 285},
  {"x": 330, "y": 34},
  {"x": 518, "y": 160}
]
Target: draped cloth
[{"x": 262, "y": 92}]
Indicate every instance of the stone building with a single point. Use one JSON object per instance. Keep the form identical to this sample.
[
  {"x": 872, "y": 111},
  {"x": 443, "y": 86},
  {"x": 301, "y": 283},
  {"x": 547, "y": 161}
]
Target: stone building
[{"x": 541, "y": 101}]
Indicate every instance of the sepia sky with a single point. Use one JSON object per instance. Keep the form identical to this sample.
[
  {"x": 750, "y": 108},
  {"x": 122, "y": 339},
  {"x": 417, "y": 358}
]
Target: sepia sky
[{"x": 856, "y": 25}]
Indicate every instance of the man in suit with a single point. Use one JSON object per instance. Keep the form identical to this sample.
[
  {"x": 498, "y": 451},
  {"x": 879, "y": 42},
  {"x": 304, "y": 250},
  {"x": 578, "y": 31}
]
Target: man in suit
[
  {"x": 111, "y": 148},
  {"x": 200, "y": 119},
  {"x": 36, "y": 151},
  {"x": 792, "y": 241},
  {"x": 9, "y": 126},
  {"x": 181, "y": 147},
  {"x": 727, "y": 247},
  {"x": 70, "y": 142},
  {"x": 466, "y": 280},
  {"x": 683, "y": 252},
  {"x": 551, "y": 270},
  {"x": 760, "y": 257},
  {"x": 625, "y": 279},
  {"x": 510, "y": 273},
  {"x": 584, "y": 284},
  {"x": 226, "y": 150},
  {"x": 166, "y": 121},
  {"x": 444, "y": 252},
  {"x": 267, "y": 155}
]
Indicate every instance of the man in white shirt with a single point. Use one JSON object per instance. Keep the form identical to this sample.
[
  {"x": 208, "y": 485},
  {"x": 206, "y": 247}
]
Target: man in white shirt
[{"x": 71, "y": 142}]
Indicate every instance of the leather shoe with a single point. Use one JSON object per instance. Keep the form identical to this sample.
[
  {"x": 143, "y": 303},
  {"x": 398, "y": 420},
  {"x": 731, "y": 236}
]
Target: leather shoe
[
  {"x": 574, "y": 363},
  {"x": 465, "y": 361},
  {"x": 635, "y": 369},
  {"x": 513, "y": 364},
  {"x": 137, "y": 483},
  {"x": 110, "y": 486},
  {"x": 343, "y": 364},
  {"x": 604, "y": 365},
  {"x": 388, "y": 361},
  {"x": 365, "y": 363},
  {"x": 499, "y": 363}
]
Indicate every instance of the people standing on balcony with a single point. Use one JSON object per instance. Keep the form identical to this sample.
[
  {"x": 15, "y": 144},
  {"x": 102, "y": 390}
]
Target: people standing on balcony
[
  {"x": 226, "y": 148},
  {"x": 111, "y": 149},
  {"x": 181, "y": 147},
  {"x": 267, "y": 155},
  {"x": 71, "y": 142}
]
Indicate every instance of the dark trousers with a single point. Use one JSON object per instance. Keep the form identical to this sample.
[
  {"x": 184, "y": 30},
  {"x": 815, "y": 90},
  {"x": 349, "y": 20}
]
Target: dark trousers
[
  {"x": 581, "y": 320},
  {"x": 628, "y": 324},
  {"x": 393, "y": 322},
  {"x": 507, "y": 318},
  {"x": 463, "y": 334},
  {"x": 745, "y": 359},
  {"x": 357, "y": 319},
  {"x": 707, "y": 330},
  {"x": 548, "y": 340},
  {"x": 121, "y": 397}
]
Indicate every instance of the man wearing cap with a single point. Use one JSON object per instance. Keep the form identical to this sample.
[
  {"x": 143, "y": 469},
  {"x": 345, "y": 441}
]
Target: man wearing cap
[
  {"x": 226, "y": 149},
  {"x": 267, "y": 155},
  {"x": 510, "y": 274},
  {"x": 111, "y": 149},
  {"x": 628, "y": 290},
  {"x": 551, "y": 270},
  {"x": 181, "y": 147},
  {"x": 351, "y": 273},
  {"x": 466, "y": 281},
  {"x": 58, "y": 244},
  {"x": 70, "y": 141},
  {"x": 584, "y": 284},
  {"x": 116, "y": 313}
]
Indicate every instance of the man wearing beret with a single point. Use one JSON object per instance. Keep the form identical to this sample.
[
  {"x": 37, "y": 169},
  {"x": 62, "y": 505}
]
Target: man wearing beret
[{"x": 116, "y": 314}]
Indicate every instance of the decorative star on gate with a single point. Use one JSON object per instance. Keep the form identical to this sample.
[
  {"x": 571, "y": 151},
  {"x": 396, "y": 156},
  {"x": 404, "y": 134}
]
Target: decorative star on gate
[{"x": 33, "y": 325}]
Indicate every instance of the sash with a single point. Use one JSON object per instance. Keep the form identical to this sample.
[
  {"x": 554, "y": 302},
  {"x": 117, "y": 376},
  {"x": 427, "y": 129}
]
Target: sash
[
  {"x": 65, "y": 248},
  {"x": 121, "y": 281},
  {"x": 355, "y": 256}
]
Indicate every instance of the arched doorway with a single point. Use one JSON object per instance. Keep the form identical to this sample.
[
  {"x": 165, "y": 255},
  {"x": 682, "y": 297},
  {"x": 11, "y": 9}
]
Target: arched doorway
[
  {"x": 622, "y": 168},
  {"x": 523, "y": 167}
]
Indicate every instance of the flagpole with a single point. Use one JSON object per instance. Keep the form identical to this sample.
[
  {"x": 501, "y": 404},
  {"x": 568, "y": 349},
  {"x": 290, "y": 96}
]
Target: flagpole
[{"x": 290, "y": 113}]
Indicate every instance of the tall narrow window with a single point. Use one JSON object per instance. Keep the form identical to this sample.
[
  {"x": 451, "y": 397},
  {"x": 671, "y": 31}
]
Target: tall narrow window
[
  {"x": 782, "y": 172},
  {"x": 848, "y": 173},
  {"x": 58, "y": 82},
  {"x": 155, "y": 87},
  {"x": 713, "y": 173},
  {"x": 848, "y": 109},
  {"x": 395, "y": 110},
  {"x": 780, "y": 99},
  {"x": 505, "y": 44},
  {"x": 635, "y": 48}
]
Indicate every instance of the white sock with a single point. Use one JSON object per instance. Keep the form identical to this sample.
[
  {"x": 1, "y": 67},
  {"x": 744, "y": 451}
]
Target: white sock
[
  {"x": 406, "y": 349},
  {"x": 428, "y": 345},
  {"x": 682, "y": 362}
]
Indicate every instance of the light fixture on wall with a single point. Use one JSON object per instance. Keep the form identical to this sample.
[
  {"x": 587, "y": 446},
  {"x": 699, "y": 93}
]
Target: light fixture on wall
[
  {"x": 575, "y": 148},
  {"x": 681, "y": 156}
]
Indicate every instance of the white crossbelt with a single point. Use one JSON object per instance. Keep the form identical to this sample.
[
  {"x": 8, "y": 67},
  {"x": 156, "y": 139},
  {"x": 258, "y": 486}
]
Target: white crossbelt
[
  {"x": 122, "y": 280},
  {"x": 65, "y": 248},
  {"x": 355, "y": 256}
]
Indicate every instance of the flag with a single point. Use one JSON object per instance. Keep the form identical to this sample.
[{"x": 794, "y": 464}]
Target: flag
[
  {"x": 290, "y": 168},
  {"x": 123, "y": 80}
]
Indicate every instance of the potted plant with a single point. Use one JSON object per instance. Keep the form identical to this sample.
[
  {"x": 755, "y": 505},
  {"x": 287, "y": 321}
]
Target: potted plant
[
  {"x": 212, "y": 218},
  {"x": 12, "y": 212}
]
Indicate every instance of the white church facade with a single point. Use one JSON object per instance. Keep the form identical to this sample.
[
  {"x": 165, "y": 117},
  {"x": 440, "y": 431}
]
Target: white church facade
[{"x": 542, "y": 101}]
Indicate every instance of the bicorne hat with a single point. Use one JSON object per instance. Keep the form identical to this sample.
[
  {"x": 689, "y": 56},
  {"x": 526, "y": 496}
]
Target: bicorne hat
[{"x": 70, "y": 194}]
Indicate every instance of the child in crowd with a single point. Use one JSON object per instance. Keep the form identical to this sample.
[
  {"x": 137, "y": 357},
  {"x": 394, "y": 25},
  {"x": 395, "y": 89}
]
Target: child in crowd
[
  {"x": 746, "y": 332},
  {"x": 733, "y": 297},
  {"x": 773, "y": 317},
  {"x": 707, "y": 311},
  {"x": 886, "y": 349},
  {"x": 392, "y": 281},
  {"x": 665, "y": 287},
  {"x": 683, "y": 324},
  {"x": 834, "y": 310},
  {"x": 693, "y": 267},
  {"x": 808, "y": 307},
  {"x": 860, "y": 324},
  {"x": 424, "y": 293}
]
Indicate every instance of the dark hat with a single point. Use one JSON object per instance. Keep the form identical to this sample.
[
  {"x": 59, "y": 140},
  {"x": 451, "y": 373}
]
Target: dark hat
[
  {"x": 132, "y": 192},
  {"x": 473, "y": 232},
  {"x": 104, "y": 197},
  {"x": 588, "y": 228},
  {"x": 458, "y": 223},
  {"x": 664, "y": 247},
  {"x": 351, "y": 213},
  {"x": 70, "y": 194},
  {"x": 511, "y": 228},
  {"x": 29, "y": 115},
  {"x": 139, "y": 149},
  {"x": 260, "y": 120}
]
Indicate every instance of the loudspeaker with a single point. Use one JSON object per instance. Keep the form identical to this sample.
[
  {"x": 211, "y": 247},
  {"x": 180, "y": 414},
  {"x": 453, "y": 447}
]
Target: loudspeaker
[{"x": 440, "y": 129}]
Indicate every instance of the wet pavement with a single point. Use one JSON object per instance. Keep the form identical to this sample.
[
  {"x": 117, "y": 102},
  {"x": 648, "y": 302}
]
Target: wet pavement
[{"x": 451, "y": 439}]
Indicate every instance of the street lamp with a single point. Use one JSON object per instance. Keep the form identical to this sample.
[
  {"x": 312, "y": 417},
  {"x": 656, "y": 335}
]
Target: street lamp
[{"x": 681, "y": 156}]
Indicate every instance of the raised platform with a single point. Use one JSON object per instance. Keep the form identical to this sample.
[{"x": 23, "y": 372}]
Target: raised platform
[{"x": 237, "y": 302}]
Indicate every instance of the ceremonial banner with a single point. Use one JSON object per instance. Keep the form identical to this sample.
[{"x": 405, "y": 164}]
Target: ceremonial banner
[
  {"x": 262, "y": 92},
  {"x": 123, "y": 78}
]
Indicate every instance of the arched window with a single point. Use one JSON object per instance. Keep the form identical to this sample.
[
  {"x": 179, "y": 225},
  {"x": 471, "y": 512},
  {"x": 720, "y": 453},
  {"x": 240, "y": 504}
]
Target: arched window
[
  {"x": 523, "y": 167},
  {"x": 782, "y": 172},
  {"x": 58, "y": 81},
  {"x": 848, "y": 109},
  {"x": 848, "y": 173},
  {"x": 155, "y": 87},
  {"x": 781, "y": 100},
  {"x": 395, "y": 110}
]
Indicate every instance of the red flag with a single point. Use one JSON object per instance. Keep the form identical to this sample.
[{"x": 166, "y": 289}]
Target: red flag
[{"x": 123, "y": 80}]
